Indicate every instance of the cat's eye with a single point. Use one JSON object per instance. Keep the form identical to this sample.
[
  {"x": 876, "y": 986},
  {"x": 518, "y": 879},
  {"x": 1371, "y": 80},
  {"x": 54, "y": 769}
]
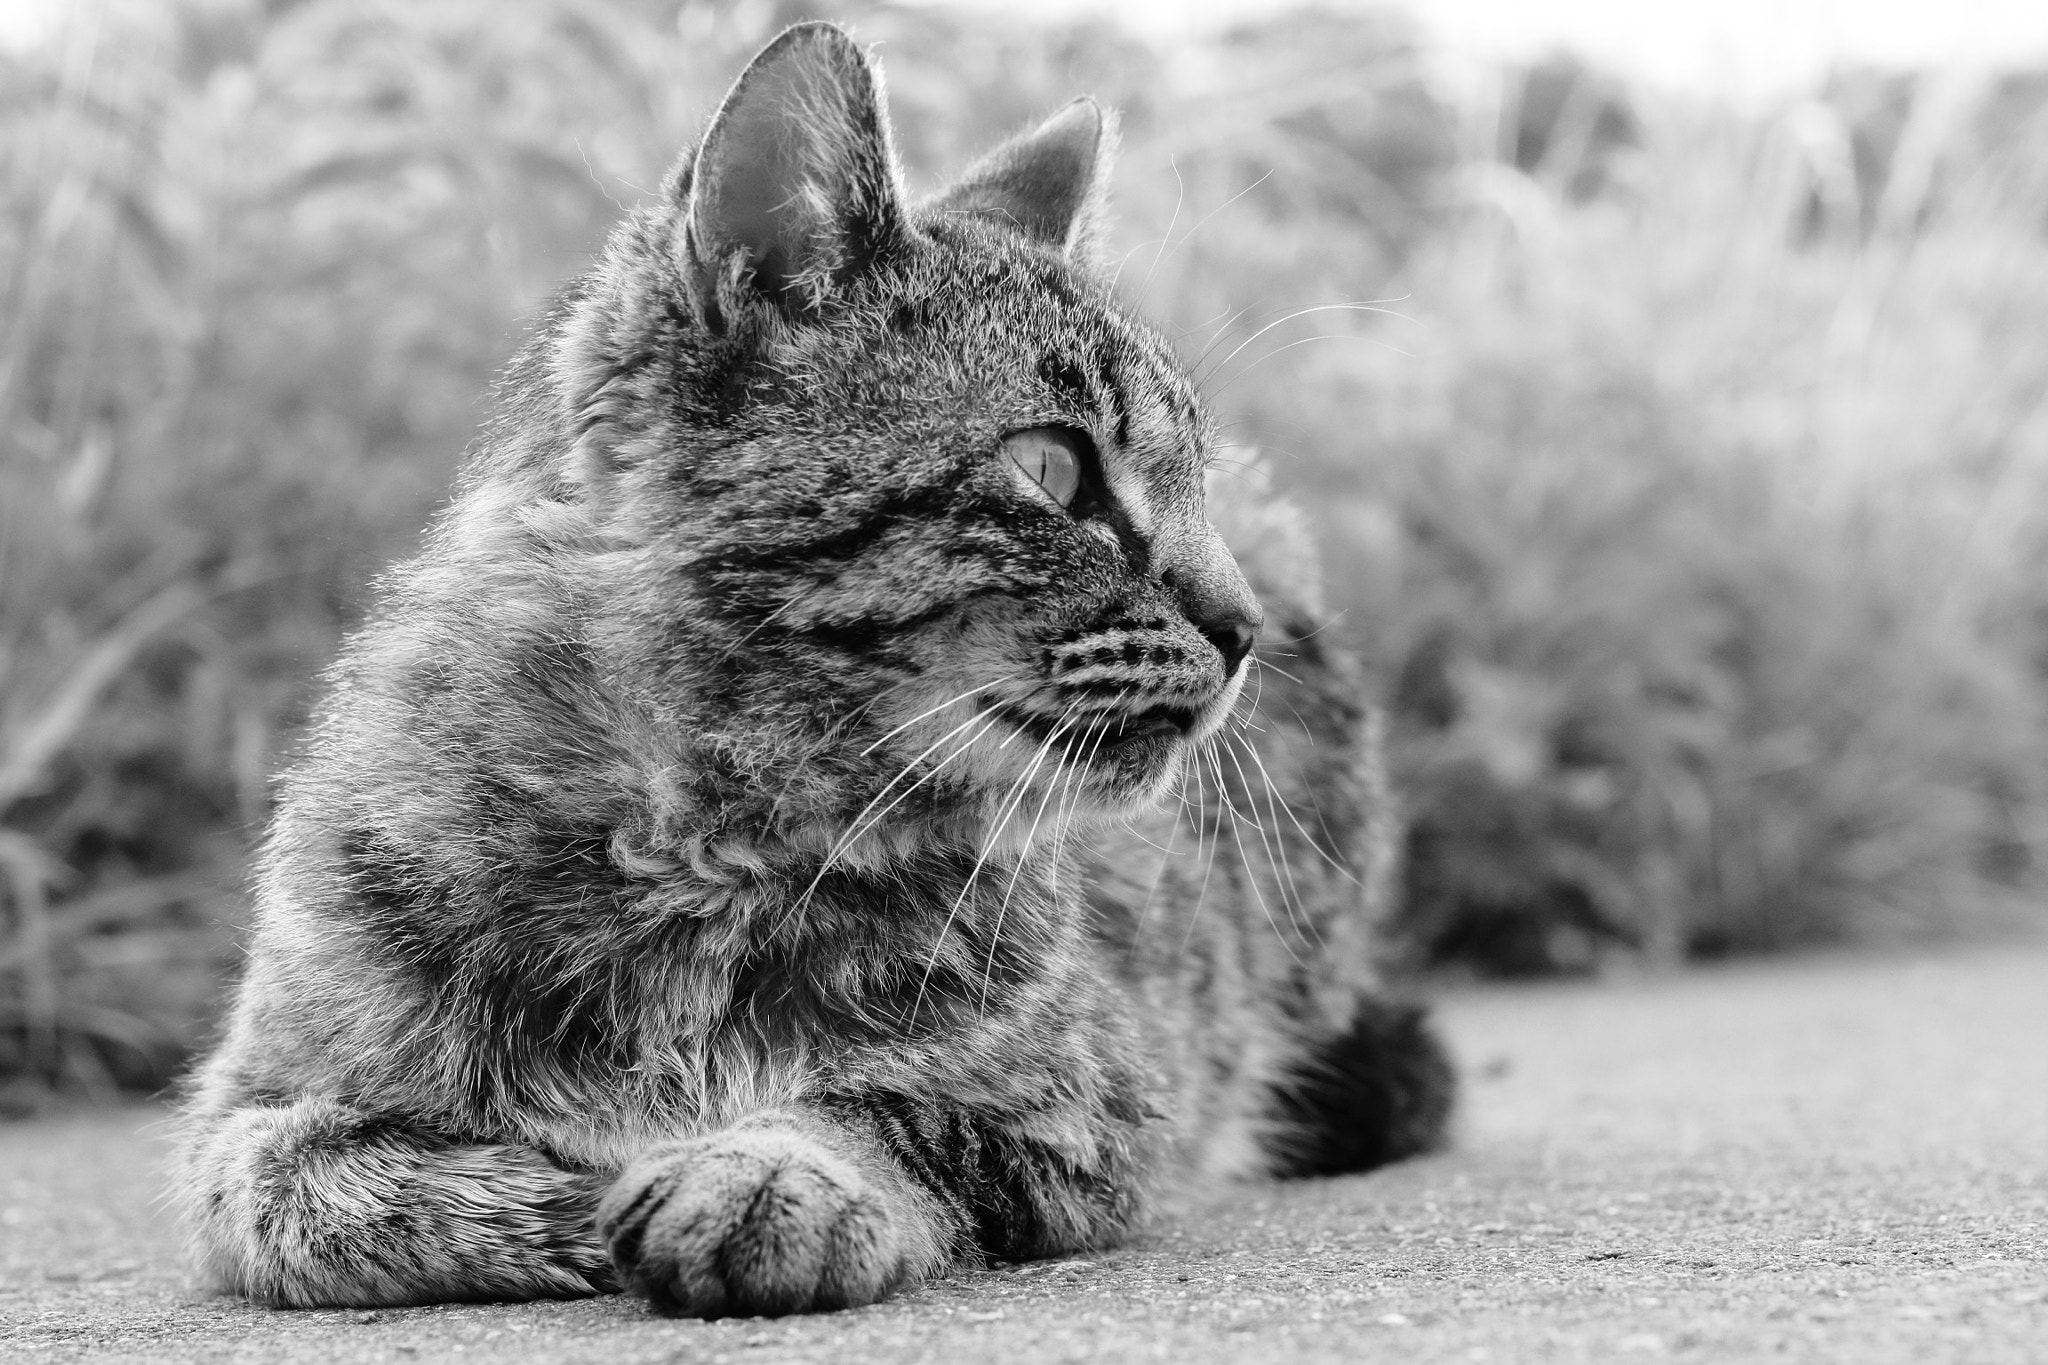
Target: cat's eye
[{"x": 1051, "y": 457}]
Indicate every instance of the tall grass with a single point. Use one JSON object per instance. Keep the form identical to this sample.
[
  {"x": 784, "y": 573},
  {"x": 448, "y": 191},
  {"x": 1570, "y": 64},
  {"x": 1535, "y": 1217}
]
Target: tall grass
[
  {"x": 1700, "y": 557},
  {"x": 256, "y": 266},
  {"x": 1692, "y": 545}
]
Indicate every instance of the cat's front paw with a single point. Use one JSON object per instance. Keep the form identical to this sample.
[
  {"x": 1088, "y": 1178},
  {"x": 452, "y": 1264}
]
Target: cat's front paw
[{"x": 753, "y": 1222}]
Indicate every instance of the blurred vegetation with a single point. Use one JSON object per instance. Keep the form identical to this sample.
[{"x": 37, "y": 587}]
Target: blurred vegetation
[{"x": 1679, "y": 468}]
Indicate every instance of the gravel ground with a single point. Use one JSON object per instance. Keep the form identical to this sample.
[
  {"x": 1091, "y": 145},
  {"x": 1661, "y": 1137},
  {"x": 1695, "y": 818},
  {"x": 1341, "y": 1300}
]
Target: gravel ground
[{"x": 1831, "y": 1159}]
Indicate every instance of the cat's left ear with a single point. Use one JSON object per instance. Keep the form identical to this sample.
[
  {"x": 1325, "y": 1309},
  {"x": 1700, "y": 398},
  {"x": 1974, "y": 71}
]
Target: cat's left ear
[
  {"x": 795, "y": 189},
  {"x": 1051, "y": 184}
]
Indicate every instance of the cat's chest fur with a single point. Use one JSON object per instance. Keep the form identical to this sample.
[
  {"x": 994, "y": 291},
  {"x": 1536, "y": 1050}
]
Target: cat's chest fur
[{"x": 555, "y": 972}]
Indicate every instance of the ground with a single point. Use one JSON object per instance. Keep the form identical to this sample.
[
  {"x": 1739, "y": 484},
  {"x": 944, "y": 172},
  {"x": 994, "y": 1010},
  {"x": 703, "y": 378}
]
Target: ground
[{"x": 1829, "y": 1159}]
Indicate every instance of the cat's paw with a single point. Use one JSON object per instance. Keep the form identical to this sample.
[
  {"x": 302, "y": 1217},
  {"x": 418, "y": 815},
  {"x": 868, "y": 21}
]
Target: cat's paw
[{"x": 753, "y": 1222}]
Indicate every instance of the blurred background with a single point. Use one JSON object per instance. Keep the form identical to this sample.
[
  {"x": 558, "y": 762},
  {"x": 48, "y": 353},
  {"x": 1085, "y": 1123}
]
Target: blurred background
[{"x": 1674, "y": 413}]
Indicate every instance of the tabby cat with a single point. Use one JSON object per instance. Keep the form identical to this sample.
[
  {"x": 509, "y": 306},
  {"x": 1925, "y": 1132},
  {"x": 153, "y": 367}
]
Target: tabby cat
[{"x": 803, "y": 822}]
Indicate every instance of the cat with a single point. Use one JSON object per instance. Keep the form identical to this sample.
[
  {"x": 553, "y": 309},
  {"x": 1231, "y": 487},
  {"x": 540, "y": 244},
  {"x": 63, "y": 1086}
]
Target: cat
[{"x": 801, "y": 824}]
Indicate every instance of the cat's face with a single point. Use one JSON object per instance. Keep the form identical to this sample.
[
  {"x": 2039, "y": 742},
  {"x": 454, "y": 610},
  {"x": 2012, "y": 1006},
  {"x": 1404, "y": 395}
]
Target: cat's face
[
  {"x": 1057, "y": 574},
  {"x": 933, "y": 466}
]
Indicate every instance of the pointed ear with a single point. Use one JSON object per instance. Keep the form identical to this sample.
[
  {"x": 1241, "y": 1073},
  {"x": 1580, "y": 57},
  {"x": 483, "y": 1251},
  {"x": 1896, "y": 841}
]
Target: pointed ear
[
  {"x": 1051, "y": 184},
  {"x": 794, "y": 190}
]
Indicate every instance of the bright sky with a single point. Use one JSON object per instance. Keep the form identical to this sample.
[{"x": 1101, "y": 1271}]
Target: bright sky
[{"x": 23, "y": 22}]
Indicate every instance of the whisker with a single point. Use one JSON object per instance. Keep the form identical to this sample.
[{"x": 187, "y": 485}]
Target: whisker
[
  {"x": 1179, "y": 193},
  {"x": 1266, "y": 838},
  {"x": 1242, "y": 719},
  {"x": 1075, "y": 771},
  {"x": 1231, "y": 807},
  {"x": 1339, "y": 868},
  {"x": 1011, "y": 799},
  {"x": 1076, "y": 775},
  {"x": 1360, "y": 306},
  {"x": 1158, "y": 876},
  {"x": 802, "y": 902},
  {"x": 1334, "y": 619},
  {"x": 1183, "y": 334},
  {"x": 1204, "y": 220},
  {"x": 1128, "y": 825},
  {"x": 875, "y": 820},
  {"x": 1071, "y": 707},
  {"x": 1258, "y": 701},
  {"x": 1215, "y": 840},
  {"x": 1268, "y": 663},
  {"x": 856, "y": 828},
  {"x": 1223, "y": 332},
  {"x": 970, "y": 692},
  {"x": 1016, "y": 874},
  {"x": 1303, "y": 341},
  {"x": 1274, "y": 803},
  {"x": 1336, "y": 866},
  {"x": 1244, "y": 858},
  {"x": 1300, "y": 720}
]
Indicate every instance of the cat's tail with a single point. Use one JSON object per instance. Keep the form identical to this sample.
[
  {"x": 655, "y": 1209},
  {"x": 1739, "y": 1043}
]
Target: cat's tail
[{"x": 1380, "y": 1091}]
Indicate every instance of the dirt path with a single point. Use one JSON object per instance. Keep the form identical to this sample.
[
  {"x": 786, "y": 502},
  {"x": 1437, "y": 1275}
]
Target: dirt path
[{"x": 1841, "y": 1160}]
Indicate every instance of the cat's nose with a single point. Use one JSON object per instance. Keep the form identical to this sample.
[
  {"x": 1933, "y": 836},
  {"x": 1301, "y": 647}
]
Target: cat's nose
[
  {"x": 1232, "y": 634},
  {"x": 1221, "y": 606},
  {"x": 1211, "y": 592}
]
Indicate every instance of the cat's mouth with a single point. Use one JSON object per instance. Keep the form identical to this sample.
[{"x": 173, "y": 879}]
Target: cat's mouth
[
  {"x": 1111, "y": 736},
  {"x": 1154, "y": 723}
]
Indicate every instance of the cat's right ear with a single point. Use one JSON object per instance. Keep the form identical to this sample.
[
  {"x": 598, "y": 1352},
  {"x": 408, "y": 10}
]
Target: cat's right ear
[{"x": 795, "y": 189}]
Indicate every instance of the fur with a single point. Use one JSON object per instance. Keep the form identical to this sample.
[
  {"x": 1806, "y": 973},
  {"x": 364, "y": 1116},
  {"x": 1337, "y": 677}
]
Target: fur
[{"x": 769, "y": 848}]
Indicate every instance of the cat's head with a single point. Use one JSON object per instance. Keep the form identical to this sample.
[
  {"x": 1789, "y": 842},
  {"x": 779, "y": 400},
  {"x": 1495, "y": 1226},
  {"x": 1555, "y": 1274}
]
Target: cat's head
[{"x": 910, "y": 465}]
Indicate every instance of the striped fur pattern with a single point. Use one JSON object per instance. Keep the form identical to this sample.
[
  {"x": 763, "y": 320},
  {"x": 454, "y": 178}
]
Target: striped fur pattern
[{"x": 778, "y": 842}]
